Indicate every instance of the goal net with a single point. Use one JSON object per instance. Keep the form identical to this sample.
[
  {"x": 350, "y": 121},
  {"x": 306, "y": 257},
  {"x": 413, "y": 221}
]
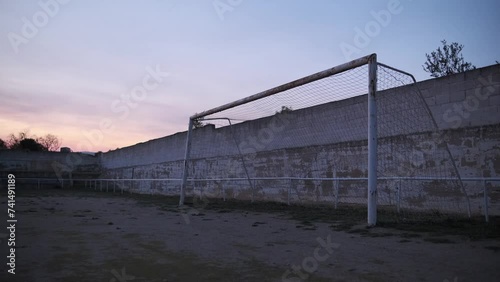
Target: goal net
[{"x": 313, "y": 141}]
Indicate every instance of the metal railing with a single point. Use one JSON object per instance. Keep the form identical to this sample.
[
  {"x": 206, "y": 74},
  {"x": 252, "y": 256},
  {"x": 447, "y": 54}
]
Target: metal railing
[{"x": 125, "y": 184}]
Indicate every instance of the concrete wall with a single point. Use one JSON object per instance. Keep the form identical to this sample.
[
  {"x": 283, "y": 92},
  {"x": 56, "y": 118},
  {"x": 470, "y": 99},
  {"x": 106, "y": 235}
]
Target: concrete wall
[
  {"x": 323, "y": 141},
  {"x": 466, "y": 99},
  {"x": 47, "y": 164},
  {"x": 329, "y": 140},
  {"x": 475, "y": 150},
  {"x": 457, "y": 101}
]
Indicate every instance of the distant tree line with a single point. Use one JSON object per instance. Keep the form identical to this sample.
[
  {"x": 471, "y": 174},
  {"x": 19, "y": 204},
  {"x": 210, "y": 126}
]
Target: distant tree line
[{"x": 24, "y": 141}]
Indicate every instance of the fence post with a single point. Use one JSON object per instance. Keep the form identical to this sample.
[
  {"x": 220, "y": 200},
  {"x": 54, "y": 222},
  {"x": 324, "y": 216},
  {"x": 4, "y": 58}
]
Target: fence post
[
  {"x": 398, "y": 195},
  {"x": 288, "y": 192},
  {"x": 253, "y": 188},
  {"x": 186, "y": 163},
  {"x": 485, "y": 194},
  {"x": 223, "y": 193},
  {"x": 337, "y": 190}
]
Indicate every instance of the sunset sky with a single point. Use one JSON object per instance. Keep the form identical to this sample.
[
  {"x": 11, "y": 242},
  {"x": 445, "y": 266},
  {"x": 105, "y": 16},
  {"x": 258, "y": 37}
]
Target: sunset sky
[{"x": 67, "y": 67}]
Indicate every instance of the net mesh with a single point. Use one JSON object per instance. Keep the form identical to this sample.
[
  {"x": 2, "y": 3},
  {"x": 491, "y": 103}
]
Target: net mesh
[
  {"x": 309, "y": 144},
  {"x": 416, "y": 170}
]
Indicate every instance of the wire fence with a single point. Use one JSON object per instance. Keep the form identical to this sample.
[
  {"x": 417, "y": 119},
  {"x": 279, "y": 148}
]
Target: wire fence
[{"x": 408, "y": 198}]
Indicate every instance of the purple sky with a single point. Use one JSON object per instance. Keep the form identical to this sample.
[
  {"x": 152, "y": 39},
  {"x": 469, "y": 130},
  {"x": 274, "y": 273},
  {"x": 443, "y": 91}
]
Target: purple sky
[{"x": 67, "y": 67}]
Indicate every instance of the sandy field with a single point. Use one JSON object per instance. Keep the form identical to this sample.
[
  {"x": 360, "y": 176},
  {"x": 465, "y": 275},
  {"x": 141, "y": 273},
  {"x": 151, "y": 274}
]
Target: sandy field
[{"x": 81, "y": 236}]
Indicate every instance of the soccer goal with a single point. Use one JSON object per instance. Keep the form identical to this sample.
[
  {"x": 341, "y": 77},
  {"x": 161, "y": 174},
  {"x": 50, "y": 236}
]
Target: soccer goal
[{"x": 358, "y": 133}]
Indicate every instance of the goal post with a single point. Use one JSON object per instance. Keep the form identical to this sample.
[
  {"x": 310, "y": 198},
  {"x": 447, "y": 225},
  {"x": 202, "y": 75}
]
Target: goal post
[
  {"x": 186, "y": 160},
  {"x": 371, "y": 61},
  {"x": 372, "y": 140},
  {"x": 319, "y": 139}
]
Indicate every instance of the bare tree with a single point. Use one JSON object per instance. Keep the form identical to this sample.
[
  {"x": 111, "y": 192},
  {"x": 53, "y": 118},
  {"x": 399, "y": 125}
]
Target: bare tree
[
  {"x": 24, "y": 139},
  {"x": 14, "y": 141},
  {"x": 446, "y": 61},
  {"x": 50, "y": 142}
]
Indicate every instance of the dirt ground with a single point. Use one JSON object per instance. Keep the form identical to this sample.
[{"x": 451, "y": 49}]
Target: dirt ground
[{"x": 75, "y": 236}]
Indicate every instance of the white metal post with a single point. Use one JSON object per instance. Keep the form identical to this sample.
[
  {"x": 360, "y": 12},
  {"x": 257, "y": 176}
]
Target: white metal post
[
  {"x": 194, "y": 187},
  {"x": 485, "y": 193},
  {"x": 336, "y": 187},
  {"x": 398, "y": 191},
  {"x": 186, "y": 160},
  {"x": 372, "y": 140},
  {"x": 288, "y": 192},
  {"x": 251, "y": 199}
]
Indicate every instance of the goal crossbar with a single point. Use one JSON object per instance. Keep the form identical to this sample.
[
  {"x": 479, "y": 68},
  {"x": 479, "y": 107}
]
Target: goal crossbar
[
  {"x": 302, "y": 81},
  {"x": 371, "y": 61}
]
